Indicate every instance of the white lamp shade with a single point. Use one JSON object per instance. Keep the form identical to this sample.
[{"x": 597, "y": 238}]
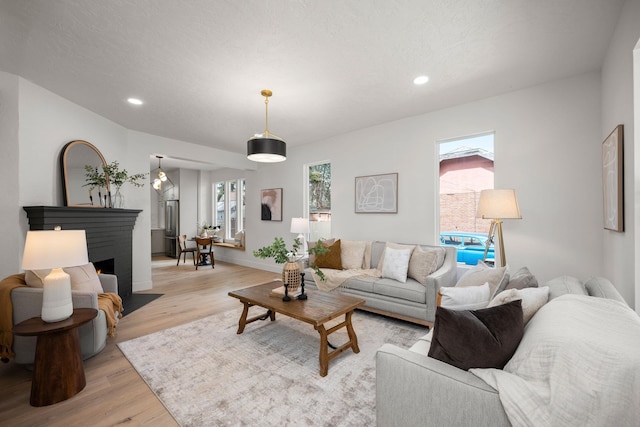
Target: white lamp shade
[
  {"x": 498, "y": 204},
  {"x": 54, "y": 249},
  {"x": 300, "y": 225}
]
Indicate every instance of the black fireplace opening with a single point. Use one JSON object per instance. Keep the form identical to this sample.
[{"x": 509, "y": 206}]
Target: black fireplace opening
[{"x": 106, "y": 266}]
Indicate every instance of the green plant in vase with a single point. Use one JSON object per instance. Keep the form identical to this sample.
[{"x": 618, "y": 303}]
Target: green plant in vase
[
  {"x": 95, "y": 178},
  {"x": 118, "y": 178},
  {"x": 281, "y": 254}
]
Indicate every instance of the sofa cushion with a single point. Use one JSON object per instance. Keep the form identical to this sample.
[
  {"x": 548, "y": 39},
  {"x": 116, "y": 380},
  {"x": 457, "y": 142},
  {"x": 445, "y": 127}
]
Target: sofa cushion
[
  {"x": 364, "y": 284},
  {"x": 423, "y": 262},
  {"x": 377, "y": 249},
  {"x": 521, "y": 279},
  {"x": 565, "y": 285},
  {"x": 83, "y": 278},
  {"x": 331, "y": 259},
  {"x": 411, "y": 290},
  {"x": 464, "y": 297},
  {"x": 532, "y": 300},
  {"x": 485, "y": 338},
  {"x": 352, "y": 253},
  {"x": 497, "y": 277},
  {"x": 396, "y": 264}
]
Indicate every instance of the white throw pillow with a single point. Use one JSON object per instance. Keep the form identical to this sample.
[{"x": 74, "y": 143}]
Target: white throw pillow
[
  {"x": 396, "y": 264},
  {"x": 497, "y": 277},
  {"x": 352, "y": 253},
  {"x": 393, "y": 246},
  {"x": 465, "y": 297},
  {"x": 532, "y": 300}
]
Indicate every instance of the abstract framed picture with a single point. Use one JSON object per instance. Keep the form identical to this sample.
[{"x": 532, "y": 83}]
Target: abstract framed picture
[
  {"x": 612, "y": 180},
  {"x": 377, "y": 193},
  {"x": 271, "y": 203}
]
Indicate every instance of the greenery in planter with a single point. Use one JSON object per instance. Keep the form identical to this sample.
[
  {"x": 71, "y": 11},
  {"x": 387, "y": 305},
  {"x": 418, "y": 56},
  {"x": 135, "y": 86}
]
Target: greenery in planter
[
  {"x": 96, "y": 179},
  {"x": 280, "y": 254}
]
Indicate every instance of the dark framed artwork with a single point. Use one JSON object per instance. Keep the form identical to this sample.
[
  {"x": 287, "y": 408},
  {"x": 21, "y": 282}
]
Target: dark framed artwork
[
  {"x": 613, "y": 180},
  {"x": 271, "y": 203},
  {"x": 377, "y": 193}
]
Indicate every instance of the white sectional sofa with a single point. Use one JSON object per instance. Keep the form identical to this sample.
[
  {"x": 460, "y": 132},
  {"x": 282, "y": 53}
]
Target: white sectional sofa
[{"x": 577, "y": 364}]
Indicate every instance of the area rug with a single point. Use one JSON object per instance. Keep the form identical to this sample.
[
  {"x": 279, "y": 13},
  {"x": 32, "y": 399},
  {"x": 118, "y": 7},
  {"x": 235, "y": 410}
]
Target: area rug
[{"x": 205, "y": 374}]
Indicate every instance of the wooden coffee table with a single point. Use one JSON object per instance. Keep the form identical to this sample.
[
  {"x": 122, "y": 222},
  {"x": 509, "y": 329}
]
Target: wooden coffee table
[{"x": 318, "y": 309}]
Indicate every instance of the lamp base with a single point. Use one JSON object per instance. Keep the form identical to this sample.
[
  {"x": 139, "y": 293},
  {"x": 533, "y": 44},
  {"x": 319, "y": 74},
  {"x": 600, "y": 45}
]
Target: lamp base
[{"x": 56, "y": 297}]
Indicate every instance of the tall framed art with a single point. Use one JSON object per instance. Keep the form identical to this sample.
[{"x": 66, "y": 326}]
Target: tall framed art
[
  {"x": 613, "y": 180},
  {"x": 271, "y": 203}
]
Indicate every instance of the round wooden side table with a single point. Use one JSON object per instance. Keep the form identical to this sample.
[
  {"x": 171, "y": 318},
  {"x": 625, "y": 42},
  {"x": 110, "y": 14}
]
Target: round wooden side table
[{"x": 58, "y": 372}]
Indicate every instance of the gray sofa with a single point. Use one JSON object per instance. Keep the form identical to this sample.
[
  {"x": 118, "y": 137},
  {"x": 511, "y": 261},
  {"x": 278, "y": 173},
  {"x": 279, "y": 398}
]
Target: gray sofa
[
  {"x": 413, "y": 389},
  {"x": 27, "y": 303},
  {"x": 411, "y": 301}
]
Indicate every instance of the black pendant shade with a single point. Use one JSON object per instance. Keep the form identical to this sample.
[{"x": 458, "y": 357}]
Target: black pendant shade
[
  {"x": 267, "y": 150},
  {"x": 266, "y": 147}
]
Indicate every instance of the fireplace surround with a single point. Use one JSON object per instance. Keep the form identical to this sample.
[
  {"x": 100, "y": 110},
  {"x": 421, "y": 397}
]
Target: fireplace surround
[{"x": 109, "y": 234}]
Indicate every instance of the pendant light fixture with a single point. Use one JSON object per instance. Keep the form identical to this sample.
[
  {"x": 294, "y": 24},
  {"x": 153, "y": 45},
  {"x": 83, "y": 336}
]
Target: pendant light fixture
[
  {"x": 266, "y": 147},
  {"x": 162, "y": 177}
]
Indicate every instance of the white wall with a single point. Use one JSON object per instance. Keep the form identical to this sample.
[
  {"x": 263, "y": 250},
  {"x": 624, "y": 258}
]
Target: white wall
[
  {"x": 34, "y": 126},
  {"x": 547, "y": 146},
  {"x": 10, "y": 210},
  {"x": 620, "y": 249}
]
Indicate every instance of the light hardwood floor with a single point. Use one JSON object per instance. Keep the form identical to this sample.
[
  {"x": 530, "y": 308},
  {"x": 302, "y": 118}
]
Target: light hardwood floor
[{"x": 115, "y": 394}]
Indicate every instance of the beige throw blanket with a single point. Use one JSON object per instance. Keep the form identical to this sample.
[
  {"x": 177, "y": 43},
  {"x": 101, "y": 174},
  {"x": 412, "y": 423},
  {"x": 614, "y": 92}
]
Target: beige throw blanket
[
  {"x": 111, "y": 304},
  {"x": 578, "y": 365},
  {"x": 335, "y": 278}
]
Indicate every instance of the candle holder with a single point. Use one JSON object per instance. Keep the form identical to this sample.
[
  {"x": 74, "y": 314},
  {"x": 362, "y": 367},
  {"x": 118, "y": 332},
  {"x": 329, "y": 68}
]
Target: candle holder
[
  {"x": 302, "y": 296},
  {"x": 286, "y": 296}
]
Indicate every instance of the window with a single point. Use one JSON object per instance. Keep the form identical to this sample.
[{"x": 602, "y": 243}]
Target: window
[
  {"x": 229, "y": 206},
  {"x": 318, "y": 206},
  {"x": 466, "y": 168}
]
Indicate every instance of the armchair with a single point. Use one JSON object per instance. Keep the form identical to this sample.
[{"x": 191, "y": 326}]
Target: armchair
[{"x": 27, "y": 303}]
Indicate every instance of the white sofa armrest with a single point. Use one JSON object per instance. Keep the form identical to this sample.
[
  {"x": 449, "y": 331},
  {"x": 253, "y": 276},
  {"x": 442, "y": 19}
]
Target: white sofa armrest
[
  {"x": 109, "y": 282},
  {"x": 413, "y": 389}
]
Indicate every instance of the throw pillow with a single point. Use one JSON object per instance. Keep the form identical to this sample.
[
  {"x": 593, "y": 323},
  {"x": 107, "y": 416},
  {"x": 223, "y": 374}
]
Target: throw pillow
[
  {"x": 83, "y": 278},
  {"x": 352, "y": 253},
  {"x": 485, "y": 338},
  {"x": 424, "y": 262},
  {"x": 393, "y": 246},
  {"x": 311, "y": 245},
  {"x": 396, "y": 264},
  {"x": 521, "y": 279},
  {"x": 464, "y": 298},
  {"x": 331, "y": 259},
  {"x": 532, "y": 299},
  {"x": 497, "y": 277}
]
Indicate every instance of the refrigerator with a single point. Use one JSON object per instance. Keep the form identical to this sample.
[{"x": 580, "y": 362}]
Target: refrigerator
[{"x": 171, "y": 226}]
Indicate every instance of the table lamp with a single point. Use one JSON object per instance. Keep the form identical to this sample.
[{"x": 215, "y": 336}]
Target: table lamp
[
  {"x": 55, "y": 249},
  {"x": 301, "y": 226},
  {"x": 498, "y": 204}
]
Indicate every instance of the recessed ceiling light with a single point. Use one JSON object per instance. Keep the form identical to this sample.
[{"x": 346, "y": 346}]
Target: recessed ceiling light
[
  {"x": 420, "y": 80},
  {"x": 134, "y": 101}
]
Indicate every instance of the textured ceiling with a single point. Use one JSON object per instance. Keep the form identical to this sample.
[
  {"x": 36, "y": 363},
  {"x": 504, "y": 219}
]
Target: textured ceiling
[{"x": 333, "y": 66}]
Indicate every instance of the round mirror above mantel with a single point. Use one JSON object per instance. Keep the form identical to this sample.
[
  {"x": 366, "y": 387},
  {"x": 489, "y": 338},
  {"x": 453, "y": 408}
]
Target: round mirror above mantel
[{"x": 73, "y": 158}]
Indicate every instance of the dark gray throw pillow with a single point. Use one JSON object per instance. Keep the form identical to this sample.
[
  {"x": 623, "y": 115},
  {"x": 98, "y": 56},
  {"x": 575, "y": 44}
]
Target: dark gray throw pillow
[{"x": 485, "y": 338}]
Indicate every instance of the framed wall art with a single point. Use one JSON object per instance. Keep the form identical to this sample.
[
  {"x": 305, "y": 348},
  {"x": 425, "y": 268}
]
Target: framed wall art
[
  {"x": 377, "y": 193},
  {"x": 271, "y": 203},
  {"x": 612, "y": 180}
]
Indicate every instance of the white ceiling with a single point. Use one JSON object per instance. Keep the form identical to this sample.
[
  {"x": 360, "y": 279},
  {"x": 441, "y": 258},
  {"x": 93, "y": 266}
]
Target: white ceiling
[{"x": 334, "y": 66}]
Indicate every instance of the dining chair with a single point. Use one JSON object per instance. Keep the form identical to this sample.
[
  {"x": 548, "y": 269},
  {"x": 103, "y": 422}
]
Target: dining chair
[
  {"x": 183, "y": 250},
  {"x": 205, "y": 252}
]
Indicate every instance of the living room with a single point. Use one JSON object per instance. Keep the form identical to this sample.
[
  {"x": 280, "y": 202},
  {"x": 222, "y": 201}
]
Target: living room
[{"x": 548, "y": 139}]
